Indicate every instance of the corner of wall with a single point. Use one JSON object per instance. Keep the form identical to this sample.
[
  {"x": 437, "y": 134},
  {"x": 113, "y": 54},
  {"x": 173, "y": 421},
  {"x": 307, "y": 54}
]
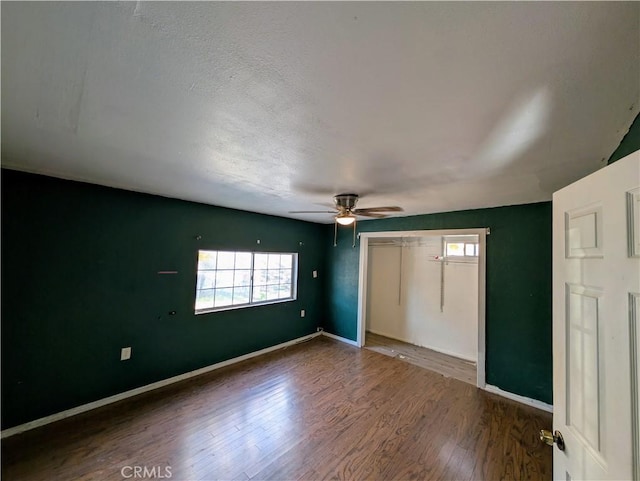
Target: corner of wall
[{"x": 630, "y": 142}]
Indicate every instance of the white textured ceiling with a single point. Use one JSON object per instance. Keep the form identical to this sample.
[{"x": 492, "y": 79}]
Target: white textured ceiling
[{"x": 271, "y": 107}]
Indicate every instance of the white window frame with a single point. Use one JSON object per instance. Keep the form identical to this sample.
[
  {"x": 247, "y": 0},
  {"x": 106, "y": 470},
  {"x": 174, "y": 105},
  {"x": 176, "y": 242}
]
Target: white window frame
[{"x": 293, "y": 287}]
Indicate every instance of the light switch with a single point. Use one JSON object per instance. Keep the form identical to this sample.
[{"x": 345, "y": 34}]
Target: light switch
[{"x": 302, "y": 313}]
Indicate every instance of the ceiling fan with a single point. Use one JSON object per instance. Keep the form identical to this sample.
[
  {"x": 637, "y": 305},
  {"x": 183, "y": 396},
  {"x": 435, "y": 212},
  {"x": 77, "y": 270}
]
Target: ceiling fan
[{"x": 345, "y": 212}]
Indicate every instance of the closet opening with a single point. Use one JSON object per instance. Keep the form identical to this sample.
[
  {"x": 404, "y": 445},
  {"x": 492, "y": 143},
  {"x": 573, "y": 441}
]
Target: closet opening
[{"x": 422, "y": 298}]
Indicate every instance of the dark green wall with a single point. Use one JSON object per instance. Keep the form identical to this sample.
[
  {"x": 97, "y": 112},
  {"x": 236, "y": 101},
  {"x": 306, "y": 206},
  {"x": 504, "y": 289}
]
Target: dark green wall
[
  {"x": 79, "y": 281},
  {"x": 630, "y": 143},
  {"x": 518, "y": 301}
]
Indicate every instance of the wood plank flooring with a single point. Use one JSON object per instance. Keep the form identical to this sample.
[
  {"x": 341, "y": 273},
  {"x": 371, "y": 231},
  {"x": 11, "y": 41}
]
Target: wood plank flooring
[
  {"x": 317, "y": 410},
  {"x": 448, "y": 366}
]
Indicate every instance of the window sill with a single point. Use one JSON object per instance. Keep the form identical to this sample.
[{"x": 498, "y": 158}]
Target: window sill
[{"x": 242, "y": 306}]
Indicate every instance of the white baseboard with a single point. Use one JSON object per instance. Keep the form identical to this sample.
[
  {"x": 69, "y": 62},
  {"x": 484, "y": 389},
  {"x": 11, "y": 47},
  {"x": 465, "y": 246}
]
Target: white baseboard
[
  {"x": 5, "y": 433},
  {"x": 341, "y": 339},
  {"x": 521, "y": 399},
  {"x": 149, "y": 387}
]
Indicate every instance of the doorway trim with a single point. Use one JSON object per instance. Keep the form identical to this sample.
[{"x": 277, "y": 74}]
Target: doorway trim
[{"x": 482, "y": 264}]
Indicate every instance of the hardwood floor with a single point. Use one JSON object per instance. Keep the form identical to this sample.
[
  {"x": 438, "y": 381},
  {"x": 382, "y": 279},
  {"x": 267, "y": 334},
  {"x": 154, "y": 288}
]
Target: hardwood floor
[
  {"x": 317, "y": 410},
  {"x": 448, "y": 366}
]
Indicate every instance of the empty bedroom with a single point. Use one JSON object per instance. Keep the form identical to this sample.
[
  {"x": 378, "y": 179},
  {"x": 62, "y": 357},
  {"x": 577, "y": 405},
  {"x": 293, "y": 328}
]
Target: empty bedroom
[{"x": 320, "y": 240}]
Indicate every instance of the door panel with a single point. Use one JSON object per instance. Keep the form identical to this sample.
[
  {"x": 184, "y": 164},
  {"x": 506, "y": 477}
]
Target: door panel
[
  {"x": 584, "y": 232},
  {"x": 633, "y": 207},
  {"x": 634, "y": 338},
  {"x": 583, "y": 370},
  {"x": 595, "y": 339}
]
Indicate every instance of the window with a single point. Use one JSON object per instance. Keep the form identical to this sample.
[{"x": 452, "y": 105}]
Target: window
[
  {"x": 471, "y": 250},
  {"x": 227, "y": 279},
  {"x": 461, "y": 249}
]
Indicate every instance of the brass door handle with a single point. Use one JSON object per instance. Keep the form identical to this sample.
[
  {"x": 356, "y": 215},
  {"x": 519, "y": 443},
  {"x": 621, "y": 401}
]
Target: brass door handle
[{"x": 548, "y": 438}]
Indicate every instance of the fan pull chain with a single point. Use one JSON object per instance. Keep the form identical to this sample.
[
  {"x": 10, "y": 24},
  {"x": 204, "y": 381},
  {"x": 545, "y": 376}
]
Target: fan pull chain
[
  {"x": 354, "y": 233},
  {"x": 335, "y": 233},
  {"x": 400, "y": 275}
]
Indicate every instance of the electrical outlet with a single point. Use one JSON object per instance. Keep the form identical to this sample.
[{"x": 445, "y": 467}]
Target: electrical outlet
[
  {"x": 315, "y": 274},
  {"x": 302, "y": 313},
  {"x": 125, "y": 353}
]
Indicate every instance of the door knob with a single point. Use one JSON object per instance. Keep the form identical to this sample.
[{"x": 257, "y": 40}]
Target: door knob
[{"x": 548, "y": 438}]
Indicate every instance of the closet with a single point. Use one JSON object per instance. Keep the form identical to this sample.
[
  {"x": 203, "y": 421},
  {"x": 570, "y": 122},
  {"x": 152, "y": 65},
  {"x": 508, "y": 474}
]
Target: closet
[{"x": 424, "y": 291}]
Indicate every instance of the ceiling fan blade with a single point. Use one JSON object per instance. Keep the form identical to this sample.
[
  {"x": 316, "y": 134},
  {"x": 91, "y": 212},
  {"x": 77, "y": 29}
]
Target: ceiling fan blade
[
  {"x": 313, "y": 212},
  {"x": 370, "y": 214},
  {"x": 379, "y": 209}
]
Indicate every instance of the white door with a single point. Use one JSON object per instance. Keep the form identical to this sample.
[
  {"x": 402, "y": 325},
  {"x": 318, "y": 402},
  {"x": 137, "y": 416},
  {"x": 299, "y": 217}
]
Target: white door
[{"x": 596, "y": 312}]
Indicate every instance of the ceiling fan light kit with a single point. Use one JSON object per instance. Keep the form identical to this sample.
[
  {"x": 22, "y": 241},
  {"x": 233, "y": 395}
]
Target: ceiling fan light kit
[
  {"x": 345, "y": 219},
  {"x": 345, "y": 213}
]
